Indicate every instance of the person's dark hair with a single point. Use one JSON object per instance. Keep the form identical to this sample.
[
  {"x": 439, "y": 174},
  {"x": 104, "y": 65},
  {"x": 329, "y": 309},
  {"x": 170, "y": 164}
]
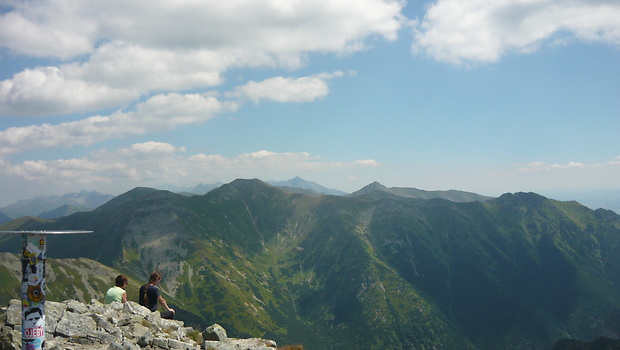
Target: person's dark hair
[
  {"x": 121, "y": 280},
  {"x": 154, "y": 277}
]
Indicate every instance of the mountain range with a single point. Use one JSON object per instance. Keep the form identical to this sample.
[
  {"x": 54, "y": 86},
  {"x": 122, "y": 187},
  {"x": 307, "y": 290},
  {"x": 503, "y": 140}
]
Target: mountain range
[
  {"x": 54, "y": 206},
  {"x": 378, "y": 269}
]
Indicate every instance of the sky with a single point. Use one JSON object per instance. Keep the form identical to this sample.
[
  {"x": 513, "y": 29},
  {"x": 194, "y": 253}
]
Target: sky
[{"x": 486, "y": 96}]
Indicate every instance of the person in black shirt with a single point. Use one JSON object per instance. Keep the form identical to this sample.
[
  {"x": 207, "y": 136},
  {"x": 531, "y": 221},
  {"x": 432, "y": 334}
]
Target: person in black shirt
[{"x": 149, "y": 296}]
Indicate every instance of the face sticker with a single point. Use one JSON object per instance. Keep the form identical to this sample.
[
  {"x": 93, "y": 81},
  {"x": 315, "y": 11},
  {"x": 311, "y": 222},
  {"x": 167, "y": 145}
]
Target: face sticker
[{"x": 33, "y": 319}]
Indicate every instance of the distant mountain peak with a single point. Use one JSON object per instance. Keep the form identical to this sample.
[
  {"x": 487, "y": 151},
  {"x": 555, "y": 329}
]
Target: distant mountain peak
[
  {"x": 127, "y": 197},
  {"x": 375, "y": 186},
  {"x": 299, "y": 183}
]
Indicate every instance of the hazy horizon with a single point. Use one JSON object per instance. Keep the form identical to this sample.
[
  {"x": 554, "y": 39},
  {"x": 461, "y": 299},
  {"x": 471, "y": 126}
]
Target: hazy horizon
[{"x": 606, "y": 199}]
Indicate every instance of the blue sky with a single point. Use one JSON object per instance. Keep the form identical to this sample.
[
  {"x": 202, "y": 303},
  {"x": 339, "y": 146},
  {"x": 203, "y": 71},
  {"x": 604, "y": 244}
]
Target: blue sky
[{"x": 482, "y": 96}]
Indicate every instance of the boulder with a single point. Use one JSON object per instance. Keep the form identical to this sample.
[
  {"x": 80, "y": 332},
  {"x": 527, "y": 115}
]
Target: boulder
[{"x": 215, "y": 332}]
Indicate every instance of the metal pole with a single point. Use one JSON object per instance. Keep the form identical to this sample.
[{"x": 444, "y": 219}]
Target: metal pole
[{"x": 34, "y": 254}]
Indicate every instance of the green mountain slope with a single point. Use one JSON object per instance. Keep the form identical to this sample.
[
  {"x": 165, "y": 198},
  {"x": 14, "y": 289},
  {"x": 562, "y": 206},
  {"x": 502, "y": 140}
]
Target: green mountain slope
[{"x": 368, "y": 271}]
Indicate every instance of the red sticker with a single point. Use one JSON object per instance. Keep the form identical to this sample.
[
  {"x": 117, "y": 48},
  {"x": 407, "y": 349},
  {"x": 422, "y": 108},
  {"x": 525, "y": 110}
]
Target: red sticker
[{"x": 34, "y": 332}]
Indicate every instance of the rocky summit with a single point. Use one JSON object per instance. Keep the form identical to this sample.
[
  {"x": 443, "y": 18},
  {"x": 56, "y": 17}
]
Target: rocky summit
[{"x": 95, "y": 326}]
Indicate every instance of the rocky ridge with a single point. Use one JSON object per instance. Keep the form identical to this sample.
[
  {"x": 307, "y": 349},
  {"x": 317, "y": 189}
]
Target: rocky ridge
[{"x": 95, "y": 326}]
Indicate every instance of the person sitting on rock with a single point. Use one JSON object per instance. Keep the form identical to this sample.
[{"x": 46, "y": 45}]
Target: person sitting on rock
[
  {"x": 117, "y": 293},
  {"x": 150, "y": 295}
]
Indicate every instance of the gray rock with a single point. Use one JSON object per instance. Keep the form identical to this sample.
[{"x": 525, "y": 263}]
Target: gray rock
[
  {"x": 53, "y": 314},
  {"x": 179, "y": 345},
  {"x": 95, "y": 326},
  {"x": 14, "y": 313},
  {"x": 10, "y": 339},
  {"x": 104, "y": 323},
  {"x": 75, "y": 325},
  {"x": 127, "y": 345},
  {"x": 76, "y": 306},
  {"x": 134, "y": 308},
  {"x": 104, "y": 337},
  {"x": 240, "y": 344},
  {"x": 215, "y": 332},
  {"x": 146, "y": 340}
]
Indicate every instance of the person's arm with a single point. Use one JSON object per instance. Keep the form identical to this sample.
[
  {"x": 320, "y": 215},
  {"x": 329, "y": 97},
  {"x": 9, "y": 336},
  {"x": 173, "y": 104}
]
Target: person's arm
[
  {"x": 163, "y": 302},
  {"x": 124, "y": 297}
]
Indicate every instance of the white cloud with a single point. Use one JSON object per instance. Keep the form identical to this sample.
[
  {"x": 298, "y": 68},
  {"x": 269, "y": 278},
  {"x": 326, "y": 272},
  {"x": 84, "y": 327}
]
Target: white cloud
[
  {"x": 155, "y": 163},
  {"x": 538, "y": 166},
  {"x": 137, "y": 162},
  {"x": 542, "y": 166},
  {"x": 159, "y": 113},
  {"x": 153, "y": 147},
  {"x": 482, "y": 31},
  {"x": 54, "y": 28},
  {"x": 116, "y": 51},
  {"x": 282, "y": 89},
  {"x": 367, "y": 162},
  {"x": 120, "y": 64},
  {"x": 278, "y": 27},
  {"x": 46, "y": 90},
  {"x": 545, "y": 177}
]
